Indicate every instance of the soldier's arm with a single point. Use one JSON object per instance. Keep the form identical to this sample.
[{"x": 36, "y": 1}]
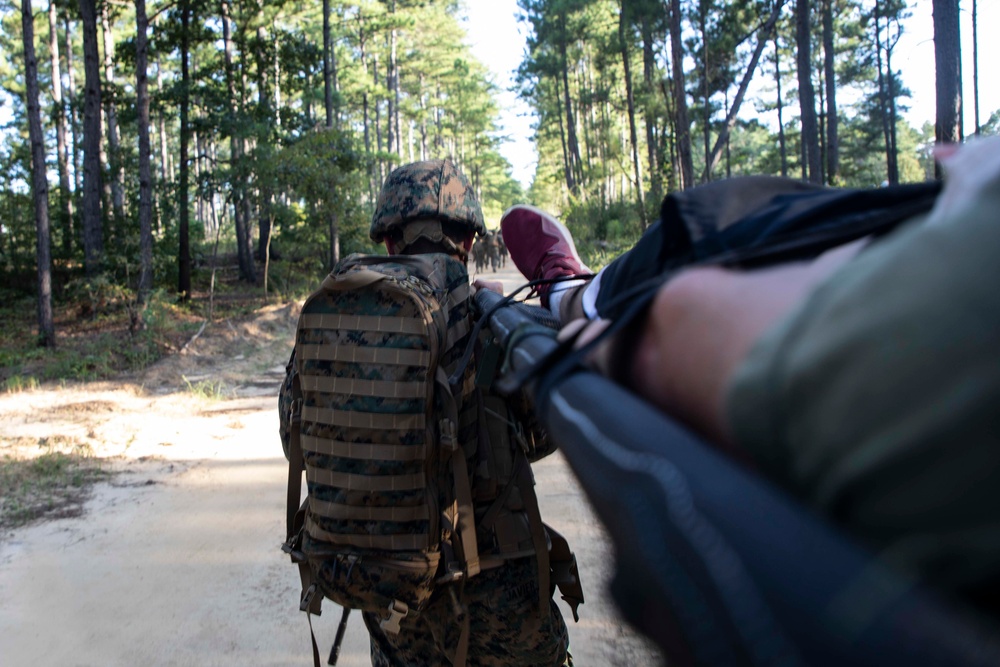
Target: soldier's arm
[{"x": 702, "y": 325}]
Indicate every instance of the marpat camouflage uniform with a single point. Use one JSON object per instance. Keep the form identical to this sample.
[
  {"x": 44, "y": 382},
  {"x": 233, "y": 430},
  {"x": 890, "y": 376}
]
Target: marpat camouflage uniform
[{"x": 506, "y": 626}]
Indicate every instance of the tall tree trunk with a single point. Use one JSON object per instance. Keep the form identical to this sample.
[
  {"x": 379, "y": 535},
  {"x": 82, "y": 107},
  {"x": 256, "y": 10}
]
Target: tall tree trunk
[
  {"x": 111, "y": 116},
  {"x": 948, "y": 70},
  {"x": 975, "y": 65},
  {"x": 145, "y": 160},
  {"x": 62, "y": 157},
  {"x": 682, "y": 124},
  {"x": 882, "y": 103},
  {"x": 93, "y": 234},
  {"x": 72, "y": 109},
  {"x": 807, "y": 99},
  {"x": 327, "y": 69},
  {"x": 572, "y": 144},
  {"x": 832, "y": 122},
  {"x": 648, "y": 74},
  {"x": 166, "y": 175},
  {"x": 782, "y": 146},
  {"x": 249, "y": 270},
  {"x": 183, "y": 212},
  {"x": 706, "y": 124},
  {"x": 390, "y": 84},
  {"x": 723, "y": 138},
  {"x": 236, "y": 152},
  {"x": 891, "y": 89},
  {"x": 39, "y": 182},
  {"x": 630, "y": 104},
  {"x": 567, "y": 163}
]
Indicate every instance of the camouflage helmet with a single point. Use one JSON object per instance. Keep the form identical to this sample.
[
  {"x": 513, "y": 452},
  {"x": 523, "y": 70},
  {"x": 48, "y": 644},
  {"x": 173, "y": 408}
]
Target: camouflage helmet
[{"x": 421, "y": 190}]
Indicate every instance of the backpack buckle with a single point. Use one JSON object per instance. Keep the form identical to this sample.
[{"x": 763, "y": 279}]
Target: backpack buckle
[
  {"x": 397, "y": 612},
  {"x": 449, "y": 434},
  {"x": 307, "y": 597}
]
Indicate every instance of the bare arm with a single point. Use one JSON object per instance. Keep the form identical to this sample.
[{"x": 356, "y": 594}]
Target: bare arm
[{"x": 702, "y": 325}]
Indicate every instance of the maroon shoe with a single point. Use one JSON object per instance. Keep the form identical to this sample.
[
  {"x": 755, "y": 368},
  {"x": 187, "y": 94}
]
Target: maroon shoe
[{"x": 540, "y": 246}]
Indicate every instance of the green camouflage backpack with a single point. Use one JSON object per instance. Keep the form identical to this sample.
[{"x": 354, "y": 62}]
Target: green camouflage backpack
[
  {"x": 377, "y": 426},
  {"x": 413, "y": 482}
]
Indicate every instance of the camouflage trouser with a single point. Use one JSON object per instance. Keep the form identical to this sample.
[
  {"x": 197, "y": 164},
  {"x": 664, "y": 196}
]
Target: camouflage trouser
[{"x": 505, "y": 626}]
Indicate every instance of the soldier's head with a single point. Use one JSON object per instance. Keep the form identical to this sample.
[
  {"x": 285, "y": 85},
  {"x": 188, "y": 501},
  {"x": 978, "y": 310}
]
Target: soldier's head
[{"x": 427, "y": 207}]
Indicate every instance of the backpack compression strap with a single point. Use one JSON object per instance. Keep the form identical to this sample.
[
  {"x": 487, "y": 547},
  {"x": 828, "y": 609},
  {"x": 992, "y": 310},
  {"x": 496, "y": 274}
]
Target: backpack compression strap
[
  {"x": 466, "y": 522},
  {"x": 311, "y": 600}
]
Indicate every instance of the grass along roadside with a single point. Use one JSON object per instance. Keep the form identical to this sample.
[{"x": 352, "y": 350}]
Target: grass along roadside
[{"x": 50, "y": 485}]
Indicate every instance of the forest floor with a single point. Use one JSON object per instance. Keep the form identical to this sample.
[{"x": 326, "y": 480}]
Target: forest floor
[{"x": 160, "y": 543}]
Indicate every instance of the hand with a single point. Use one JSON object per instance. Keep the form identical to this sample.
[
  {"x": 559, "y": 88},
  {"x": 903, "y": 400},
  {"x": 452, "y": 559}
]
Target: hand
[{"x": 491, "y": 285}]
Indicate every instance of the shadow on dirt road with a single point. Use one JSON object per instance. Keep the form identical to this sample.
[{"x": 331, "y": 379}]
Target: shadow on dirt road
[{"x": 176, "y": 560}]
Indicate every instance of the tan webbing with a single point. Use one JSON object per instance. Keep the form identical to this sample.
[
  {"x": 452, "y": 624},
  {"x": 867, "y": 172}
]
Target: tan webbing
[
  {"x": 339, "y": 511},
  {"x": 361, "y": 451},
  {"x": 379, "y": 323},
  {"x": 526, "y": 485},
  {"x": 351, "y": 354},
  {"x": 351, "y": 482},
  {"x": 351, "y": 280},
  {"x": 369, "y": 420},
  {"x": 466, "y": 523},
  {"x": 355, "y": 387},
  {"x": 412, "y": 542}
]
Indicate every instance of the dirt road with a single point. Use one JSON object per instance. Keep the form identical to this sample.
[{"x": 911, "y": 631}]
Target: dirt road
[{"x": 175, "y": 561}]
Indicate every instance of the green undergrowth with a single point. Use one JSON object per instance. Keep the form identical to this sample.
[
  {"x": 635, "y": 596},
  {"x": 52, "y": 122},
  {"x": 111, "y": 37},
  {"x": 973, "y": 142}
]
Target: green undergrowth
[{"x": 52, "y": 485}]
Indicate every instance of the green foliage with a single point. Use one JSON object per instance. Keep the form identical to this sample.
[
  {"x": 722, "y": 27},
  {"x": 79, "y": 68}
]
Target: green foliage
[
  {"x": 209, "y": 390},
  {"x": 53, "y": 484}
]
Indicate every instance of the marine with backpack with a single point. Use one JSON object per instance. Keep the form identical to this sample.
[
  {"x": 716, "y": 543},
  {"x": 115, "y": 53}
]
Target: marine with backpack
[{"x": 420, "y": 508}]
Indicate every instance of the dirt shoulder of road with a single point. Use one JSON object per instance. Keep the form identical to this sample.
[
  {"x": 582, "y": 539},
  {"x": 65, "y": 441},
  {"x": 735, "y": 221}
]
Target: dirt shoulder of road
[{"x": 172, "y": 557}]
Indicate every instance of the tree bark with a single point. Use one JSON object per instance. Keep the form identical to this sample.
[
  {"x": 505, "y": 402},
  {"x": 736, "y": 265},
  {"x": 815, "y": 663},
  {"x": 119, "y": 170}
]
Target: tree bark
[
  {"x": 93, "y": 235},
  {"x": 572, "y": 144},
  {"x": 111, "y": 116},
  {"x": 832, "y": 122},
  {"x": 166, "y": 175},
  {"x": 39, "y": 182},
  {"x": 893, "y": 149},
  {"x": 682, "y": 124},
  {"x": 145, "y": 150},
  {"x": 72, "y": 110},
  {"x": 648, "y": 74},
  {"x": 327, "y": 70},
  {"x": 62, "y": 156},
  {"x": 807, "y": 96},
  {"x": 948, "y": 70},
  {"x": 183, "y": 212},
  {"x": 630, "y": 104},
  {"x": 975, "y": 65},
  {"x": 782, "y": 147}
]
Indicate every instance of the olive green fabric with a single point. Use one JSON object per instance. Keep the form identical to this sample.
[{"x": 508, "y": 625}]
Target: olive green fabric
[{"x": 878, "y": 400}]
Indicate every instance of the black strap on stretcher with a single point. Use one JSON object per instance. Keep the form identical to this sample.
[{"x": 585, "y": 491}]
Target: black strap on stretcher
[{"x": 714, "y": 563}]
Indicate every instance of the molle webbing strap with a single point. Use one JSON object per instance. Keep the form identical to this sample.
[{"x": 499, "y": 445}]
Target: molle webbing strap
[
  {"x": 456, "y": 333},
  {"x": 526, "y": 485},
  {"x": 379, "y": 323},
  {"x": 362, "y": 451},
  {"x": 351, "y": 280},
  {"x": 356, "y": 387},
  {"x": 364, "y": 355},
  {"x": 368, "y": 420},
  {"x": 349, "y": 482},
  {"x": 466, "y": 523},
  {"x": 341, "y": 512},
  {"x": 413, "y": 542}
]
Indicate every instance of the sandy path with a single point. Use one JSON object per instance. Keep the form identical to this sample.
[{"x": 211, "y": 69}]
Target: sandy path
[{"x": 176, "y": 560}]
